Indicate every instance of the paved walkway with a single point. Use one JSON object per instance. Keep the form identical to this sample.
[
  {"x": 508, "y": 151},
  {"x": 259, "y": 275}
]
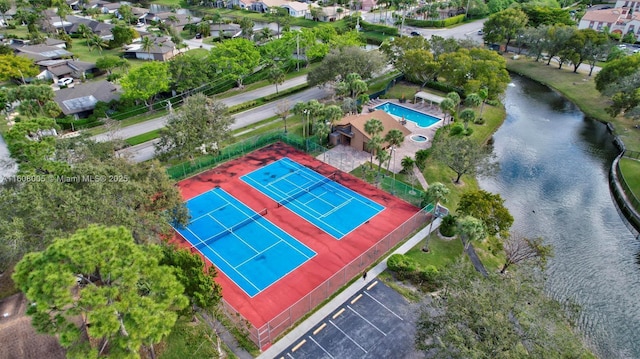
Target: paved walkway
[{"x": 337, "y": 301}]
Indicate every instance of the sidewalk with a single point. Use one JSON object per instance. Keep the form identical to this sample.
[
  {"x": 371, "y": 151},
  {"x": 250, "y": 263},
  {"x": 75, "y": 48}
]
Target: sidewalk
[{"x": 347, "y": 293}]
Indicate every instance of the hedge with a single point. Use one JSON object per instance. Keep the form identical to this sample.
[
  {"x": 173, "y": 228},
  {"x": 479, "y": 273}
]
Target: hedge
[
  {"x": 70, "y": 123},
  {"x": 443, "y": 87},
  {"x": 387, "y": 30},
  {"x": 435, "y": 23}
]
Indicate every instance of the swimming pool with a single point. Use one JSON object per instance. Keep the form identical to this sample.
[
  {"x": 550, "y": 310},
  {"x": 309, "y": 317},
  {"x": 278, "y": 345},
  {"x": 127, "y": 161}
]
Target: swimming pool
[{"x": 419, "y": 118}]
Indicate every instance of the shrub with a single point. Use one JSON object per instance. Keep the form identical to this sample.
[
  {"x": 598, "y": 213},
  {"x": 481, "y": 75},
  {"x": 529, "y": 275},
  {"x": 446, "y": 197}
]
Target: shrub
[
  {"x": 441, "y": 86},
  {"x": 468, "y": 132},
  {"x": 403, "y": 266},
  {"x": 479, "y": 121},
  {"x": 456, "y": 129},
  {"x": 448, "y": 226},
  {"x": 421, "y": 158},
  {"x": 429, "y": 278},
  {"x": 113, "y": 77}
]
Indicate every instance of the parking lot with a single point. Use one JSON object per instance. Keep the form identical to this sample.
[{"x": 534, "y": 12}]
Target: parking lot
[{"x": 377, "y": 322}]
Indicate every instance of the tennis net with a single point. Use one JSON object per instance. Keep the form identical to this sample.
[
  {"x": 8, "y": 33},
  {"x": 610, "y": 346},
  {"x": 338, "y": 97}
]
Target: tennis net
[
  {"x": 307, "y": 189},
  {"x": 231, "y": 229}
]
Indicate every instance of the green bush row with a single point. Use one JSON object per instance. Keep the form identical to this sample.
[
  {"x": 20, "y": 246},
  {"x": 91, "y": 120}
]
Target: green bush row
[
  {"x": 71, "y": 123},
  {"x": 435, "y": 23},
  {"x": 262, "y": 100},
  {"x": 441, "y": 86},
  {"x": 406, "y": 268}
]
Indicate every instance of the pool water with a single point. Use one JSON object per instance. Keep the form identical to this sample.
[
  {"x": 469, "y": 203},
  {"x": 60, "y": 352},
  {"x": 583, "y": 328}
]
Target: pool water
[
  {"x": 419, "y": 138},
  {"x": 419, "y": 118}
]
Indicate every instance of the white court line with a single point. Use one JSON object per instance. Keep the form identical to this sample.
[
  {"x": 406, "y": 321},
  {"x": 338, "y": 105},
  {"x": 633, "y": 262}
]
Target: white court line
[
  {"x": 346, "y": 335},
  {"x": 384, "y": 306},
  {"x": 321, "y": 347},
  {"x": 365, "y": 319},
  {"x": 290, "y": 356}
]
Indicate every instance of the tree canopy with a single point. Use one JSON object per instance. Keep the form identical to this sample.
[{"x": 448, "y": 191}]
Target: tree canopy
[
  {"x": 201, "y": 125},
  {"x": 495, "y": 317},
  {"x": 16, "y": 67},
  {"x": 99, "y": 283},
  {"x": 464, "y": 156},
  {"x": 487, "y": 207},
  {"x": 341, "y": 62},
  {"x": 236, "y": 58},
  {"x": 145, "y": 82}
]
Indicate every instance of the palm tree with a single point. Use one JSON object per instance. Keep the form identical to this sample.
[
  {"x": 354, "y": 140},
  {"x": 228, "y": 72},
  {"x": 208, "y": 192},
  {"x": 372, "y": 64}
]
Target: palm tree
[
  {"x": 447, "y": 105},
  {"x": 147, "y": 45},
  {"x": 455, "y": 97},
  {"x": 373, "y": 127},
  {"x": 437, "y": 193},
  {"x": 276, "y": 75},
  {"x": 470, "y": 229},
  {"x": 473, "y": 100},
  {"x": 84, "y": 31},
  {"x": 97, "y": 42},
  {"x": 467, "y": 115},
  {"x": 373, "y": 145},
  {"x": 382, "y": 155},
  {"x": 333, "y": 113},
  {"x": 407, "y": 164},
  {"x": 246, "y": 26},
  {"x": 394, "y": 138},
  {"x": 484, "y": 94},
  {"x": 216, "y": 18}
]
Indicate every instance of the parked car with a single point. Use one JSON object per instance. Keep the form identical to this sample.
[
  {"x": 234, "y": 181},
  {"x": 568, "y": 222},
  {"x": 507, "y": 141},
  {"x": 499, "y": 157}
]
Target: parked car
[
  {"x": 198, "y": 36},
  {"x": 65, "y": 81},
  {"x": 480, "y": 32},
  {"x": 622, "y": 46},
  {"x": 415, "y": 33}
]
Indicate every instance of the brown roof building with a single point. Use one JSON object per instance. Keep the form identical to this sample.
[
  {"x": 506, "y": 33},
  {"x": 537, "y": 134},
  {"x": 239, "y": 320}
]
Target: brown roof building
[{"x": 350, "y": 131}]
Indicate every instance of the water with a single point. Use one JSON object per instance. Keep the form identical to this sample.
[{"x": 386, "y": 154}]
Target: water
[
  {"x": 419, "y": 118},
  {"x": 554, "y": 168}
]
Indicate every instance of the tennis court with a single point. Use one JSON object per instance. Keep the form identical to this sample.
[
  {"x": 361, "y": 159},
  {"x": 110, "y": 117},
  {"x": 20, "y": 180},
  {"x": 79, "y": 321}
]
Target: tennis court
[
  {"x": 328, "y": 205},
  {"x": 249, "y": 249}
]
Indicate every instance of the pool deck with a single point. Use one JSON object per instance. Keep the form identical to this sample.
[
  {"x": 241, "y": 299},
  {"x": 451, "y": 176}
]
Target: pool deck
[{"x": 409, "y": 147}]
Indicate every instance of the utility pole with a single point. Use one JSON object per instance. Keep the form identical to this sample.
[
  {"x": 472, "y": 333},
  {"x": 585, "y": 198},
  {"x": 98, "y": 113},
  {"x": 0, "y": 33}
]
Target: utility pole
[{"x": 298, "y": 51}]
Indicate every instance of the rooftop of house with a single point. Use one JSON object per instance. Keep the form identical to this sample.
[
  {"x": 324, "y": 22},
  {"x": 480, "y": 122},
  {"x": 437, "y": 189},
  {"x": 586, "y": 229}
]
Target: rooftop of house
[
  {"x": 42, "y": 52},
  {"x": 84, "y": 96},
  {"x": 609, "y": 15},
  {"x": 388, "y": 122}
]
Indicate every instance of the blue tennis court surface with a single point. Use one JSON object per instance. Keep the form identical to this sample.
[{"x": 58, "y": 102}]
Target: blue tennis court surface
[
  {"x": 240, "y": 242},
  {"x": 329, "y": 205}
]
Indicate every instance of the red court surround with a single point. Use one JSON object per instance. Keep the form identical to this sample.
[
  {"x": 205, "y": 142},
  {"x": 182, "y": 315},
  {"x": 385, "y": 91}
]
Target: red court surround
[{"x": 331, "y": 254}]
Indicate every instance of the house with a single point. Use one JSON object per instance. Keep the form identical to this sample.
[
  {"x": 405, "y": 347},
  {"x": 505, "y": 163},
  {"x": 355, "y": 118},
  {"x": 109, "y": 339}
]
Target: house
[
  {"x": 42, "y": 52},
  {"x": 56, "y": 69},
  {"x": 173, "y": 19},
  {"x": 617, "y": 20},
  {"x": 72, "y": 22},
  {"x": 110, "y": 8},
  {"x": 162, "y": 50},
  {"x": 635, "y": 5},
  {"x": 328, "y": 13},
  {"x": 79, "y": 101},
  {"x": 9, "y": 14},
  {"x": 234, "y": 4},
  {"x": 296, "y": 9},
  {"x": 350, "y": 131},
  {"x": 265, "y": 5}
]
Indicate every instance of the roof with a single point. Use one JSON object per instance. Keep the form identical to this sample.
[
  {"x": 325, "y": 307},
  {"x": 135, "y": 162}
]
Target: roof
[
  {"x": 608, "y": 15},
  {"x": 64, "y": 67},
  {"x": 99, "y": 28},
  {"x": 297, "y": 6},
  {"x": 273, "y": 3},
  {"x": 161, "y": 45},
  {"x": 429, "y": 96},
  {"x": 388, "y": 122},
  {"x": 83, "y": 97},
  {"x": 53, "y": 42},
  {"x": 42, "y": 52}
]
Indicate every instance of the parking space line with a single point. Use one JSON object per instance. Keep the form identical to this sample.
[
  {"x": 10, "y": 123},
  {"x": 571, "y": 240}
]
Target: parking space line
[
  {"x": 365, "y": 319},
  {"x": 347, "y": 335},
  {"x": 384, "y": 306},
  {"x": 338, "y": 313},
  {"x": 356, "y": 298},
  {"x": 298, "y": 345},
  {"x": 372, "y": 285},
  {"x": 319, "y": 328},
  {"x": 321, "y": 347},
  {"x": 289, "y": 355}
]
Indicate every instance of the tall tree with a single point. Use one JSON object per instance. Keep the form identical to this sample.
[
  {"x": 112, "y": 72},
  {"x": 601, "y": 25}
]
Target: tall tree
[
  {"x": 470, "y": 229},
  {"x": 496, "y": 317},
  {"x": 436, "y": 193},
  {"x": 467, "y": 115},
  {"x": 32, "y": 146},
  {"x": 16, "y": 67},
  {"x": 246, "y": 26},
  {"x": 487, "y": 207},
  {"x": 235, "y": 58},
  {"x": 145, "y": 82},
  {"x": 200, "y": 126},
  {"x": 96, "y": 42},
  {"x": 394, "y": 138},
  {"x": 98, "y": 282},
  {"x": 147, "y": 44},
  {"x": 85, "y": 31},
  {"x": 373, "y": 127},
  {"x": 109, "y": 63},
  {"x": 341, "y": 62},
  {"x": 276, "y": 75},
  {"x": 188, "y": 72},
  {"x": 283, "y": 109},
  {"x": 464, "y": 156},
  {"x": 519, "y": 249},
  {"x": 122, "y": 35},
  {"x": 447, "y": 106},
  {"x": 505, "y": 25}
]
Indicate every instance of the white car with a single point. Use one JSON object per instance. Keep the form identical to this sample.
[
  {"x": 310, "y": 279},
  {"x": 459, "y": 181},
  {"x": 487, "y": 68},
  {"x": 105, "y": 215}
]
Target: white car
[{"x": 65, "y": 81}]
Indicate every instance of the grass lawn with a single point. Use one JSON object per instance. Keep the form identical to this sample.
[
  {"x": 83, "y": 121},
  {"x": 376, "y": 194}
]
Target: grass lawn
[
  {"x": 175, "y": 3},
  {"x": 631, "y": 171},
  {"x": 142, "y": 138},
  {"x": 128, "y": 122},
  {"x": 441, "y": 252},
  {"x": 581, "y": 90},
  {"x": 402, "y": 88},
  {"x": 198, "y": 53}
]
